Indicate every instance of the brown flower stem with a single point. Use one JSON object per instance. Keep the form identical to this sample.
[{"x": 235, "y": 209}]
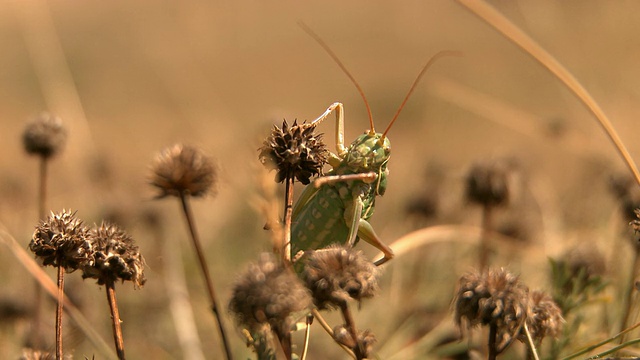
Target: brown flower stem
[
  {"x": 628, "y": 298},
  {"x": 351, "y": 327},
  {"x": 323, "y": 323},
  {"x": 285, "y": 342},
  {"x": 485, "y": 249},
  {"x": 493, "y": 351},
  {"x": 205, "y": 272},
  {"x": 115, "y": 317},
  {"x": 307, "y": 335},
  {"x": 37, "y": 313},
  {"x": 288, "y": 213},
  {"x": 59, "y": 313}
]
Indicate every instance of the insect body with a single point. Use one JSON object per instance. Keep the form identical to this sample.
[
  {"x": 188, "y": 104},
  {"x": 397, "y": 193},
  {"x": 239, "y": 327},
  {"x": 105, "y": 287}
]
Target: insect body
[{"x": 336, "y": 209}]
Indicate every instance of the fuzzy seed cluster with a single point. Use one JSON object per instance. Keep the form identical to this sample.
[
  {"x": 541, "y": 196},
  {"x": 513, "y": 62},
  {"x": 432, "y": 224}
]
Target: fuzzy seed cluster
[
  {"x": 294, "y": 151},
  {"x": 336, "y": 274},
  {"x": 546, "y": 317},
  {"x": 61, "y": 240},
  {"x": 366, "y": 340},
  {"x": 183, "y": 169},
  {"x": 488, "y": 183},
  {"x": 115, "y": 257},
  {"x": 44, "y": 136},
  {"x": 268, "y": 294}
]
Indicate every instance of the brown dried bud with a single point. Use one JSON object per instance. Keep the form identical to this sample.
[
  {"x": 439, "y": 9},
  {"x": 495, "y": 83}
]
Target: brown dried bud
[
  {"x": 366, "y": 340},
  {"x": 493, "y": 298},
  {"x": 61, "y": 240},
  {"x": 115, "y": 257},
  {"x": 546, "y": 318},
  {"x": 182, "y": 169},
  {"x": 294, "y": 151},
  {"x": 488, "y": 183},
  {"x": 336, "y": 274},
  {"x": 45, "y": 135},
  {"x": 268, "y": 294}
]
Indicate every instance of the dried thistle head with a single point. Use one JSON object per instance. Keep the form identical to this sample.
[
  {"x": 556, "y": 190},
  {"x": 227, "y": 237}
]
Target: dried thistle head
[
  {"x": 61, "y": 241},
  {"x": 546, "y": 317},
  {"x": 268, "y": 294},
  {"x": 294, "y": 150},
  {"x": 496, "y": 298},
  {"x": 183, "y": 169},
  {"x": 44, "y": 136},
  {"x": 115, "y": 257},
  {"x": 488, "y": 183},
  {"x": 336, "y": 274},
  {"x": 366, "y": 340}
]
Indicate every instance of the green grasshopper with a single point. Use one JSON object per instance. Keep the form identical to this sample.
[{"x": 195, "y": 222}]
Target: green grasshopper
[{"x": 336, "y": 209}]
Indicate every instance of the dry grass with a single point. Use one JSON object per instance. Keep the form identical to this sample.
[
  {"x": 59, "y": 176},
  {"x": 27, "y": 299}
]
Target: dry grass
[{"x": 131, "y": 78}]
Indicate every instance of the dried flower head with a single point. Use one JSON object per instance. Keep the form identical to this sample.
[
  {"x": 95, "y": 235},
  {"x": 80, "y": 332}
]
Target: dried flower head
[
  {"x": 546, "y": 317},
  {"x": 268, "y": 294},
  {"x": 45, "y": 135},
  {"x": 583, "y": 264},
  {"x": 115, "y": 257},
  {"x": 488, "y": 183},
  {"x": 182, "y": 169},
  {"x": 61, "y": 241},
  {"x": 336, "y": 274},
  {"x": 294, "y": 151},
  {"x": 494, "y": 298},
  {"x": 366, "y": 340}
]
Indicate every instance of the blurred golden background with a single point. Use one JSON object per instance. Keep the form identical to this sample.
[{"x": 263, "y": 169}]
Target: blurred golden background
[{"x": 129, "y": 78}]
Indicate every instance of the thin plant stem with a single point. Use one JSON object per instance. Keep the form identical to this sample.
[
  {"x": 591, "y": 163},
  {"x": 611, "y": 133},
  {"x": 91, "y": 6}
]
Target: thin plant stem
[
  {"x": 614, "y": 349},
  {"x": 115, "y": 317},
  {"x": 205, "y": 272},
  {"x": 597, "y": 345},
  {"x": 327, "y": 328},
  {"x": 59, "y": 313},
  {"x": 484, "y": 240},
  {"x": 288, "y": 213},
  {"x": 531, "y": 353},
  {"x": 493, "y": 351},
  {"x": 351, "y": 327},
  {"x": 42, "y": 201},
  {"x": 307, "y": 336},
  {"x": 628, "y": 298}
]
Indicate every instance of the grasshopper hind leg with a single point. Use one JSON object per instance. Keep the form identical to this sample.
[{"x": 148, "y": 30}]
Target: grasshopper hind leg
[{"x": 366, "y": 233}]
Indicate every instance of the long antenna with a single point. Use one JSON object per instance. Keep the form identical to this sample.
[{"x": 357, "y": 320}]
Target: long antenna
[
  {"x": 335, "y": 58},
  {"x": 415, "y": 83}
]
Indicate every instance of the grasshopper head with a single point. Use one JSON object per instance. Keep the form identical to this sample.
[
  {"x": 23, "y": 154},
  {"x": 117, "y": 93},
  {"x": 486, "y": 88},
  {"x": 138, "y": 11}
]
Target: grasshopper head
[{"x": 369, "y": 152}]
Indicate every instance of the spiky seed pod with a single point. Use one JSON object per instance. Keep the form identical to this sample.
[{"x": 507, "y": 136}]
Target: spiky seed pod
[
  {"x": 336, "y": 274},
  {"x": 294, "y": 150},
  {"x": 115, "y": 257},
  {"x": 546, "y": 317},
  {"x": 45, "y": 135},
  {"x": 366, "y": 339},
  {"x": 268, "y": 294},
  {"x": 183, "y": 169},
  {"x": 61, "y": 241},
  {"x": 495, "y": 297},
  {"x": 488, "y": 183}
]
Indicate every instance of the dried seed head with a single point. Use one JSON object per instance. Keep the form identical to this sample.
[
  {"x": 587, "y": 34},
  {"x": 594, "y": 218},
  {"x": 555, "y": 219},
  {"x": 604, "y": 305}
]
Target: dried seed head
[
  {"x": 294, "y": 150},
  {"x": 583, "y": 264},
  {"x": 488, "y": 183},
  {"x": 494, "y": 298},
  {"x": 268, "y": 294},
  {"x": 115, "y": 257},
  {"x": 366, "y": 340},
  {"x": 44, "y": 136},
  {"x": 182, "y": 169},
  {"x": 337, "y": 274},
  {"x": 61, "y": 240},
  {"x": 546, "y": 318},
  {"x": 32, "y": 354}
]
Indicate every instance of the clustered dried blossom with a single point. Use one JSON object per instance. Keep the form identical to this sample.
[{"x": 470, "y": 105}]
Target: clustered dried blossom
[
  {"x": 546, "y": 317},
  {"x": 366, "y": 340},
  {"x": 183, "y": 169},
  {"x": 488, "y": 183},
  {"x": 496, "y": 298},
  {"x": 62, "y": 241},
  {"x": 336, "y": 274},
  {"x": 268, "y": 294},
  {"x": 44, "y": 136},
  {"x": 115, "y": 257},
  {"x": 294, "y": 151}
]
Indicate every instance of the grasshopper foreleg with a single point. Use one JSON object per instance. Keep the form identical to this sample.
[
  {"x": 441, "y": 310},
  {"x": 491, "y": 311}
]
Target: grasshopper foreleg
[{"x": 367, "y": 177}]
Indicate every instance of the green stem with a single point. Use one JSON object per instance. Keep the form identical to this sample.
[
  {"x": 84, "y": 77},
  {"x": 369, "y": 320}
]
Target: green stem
[
  {"x": 595, "y": 346},
  {"x": 205, "y": 272}
]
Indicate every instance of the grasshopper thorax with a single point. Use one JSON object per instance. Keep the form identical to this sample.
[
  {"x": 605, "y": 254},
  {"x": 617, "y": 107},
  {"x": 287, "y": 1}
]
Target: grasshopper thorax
[{"x": 369, "y": 152}]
